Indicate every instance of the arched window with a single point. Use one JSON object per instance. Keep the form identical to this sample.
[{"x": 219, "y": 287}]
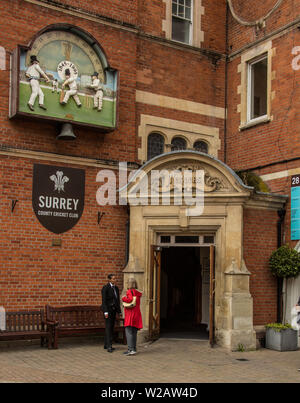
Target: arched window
[
  {"x": 156, "y": 145},
  {"x": 178, "y": 143},
  {"x": 201, "y": 146}
]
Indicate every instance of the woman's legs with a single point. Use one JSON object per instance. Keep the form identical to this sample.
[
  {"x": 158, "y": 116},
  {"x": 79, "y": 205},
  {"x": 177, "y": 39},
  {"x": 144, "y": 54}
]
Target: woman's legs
[
  {"x": 134, "y": 331},
  {"x": 131, "y": 336}
]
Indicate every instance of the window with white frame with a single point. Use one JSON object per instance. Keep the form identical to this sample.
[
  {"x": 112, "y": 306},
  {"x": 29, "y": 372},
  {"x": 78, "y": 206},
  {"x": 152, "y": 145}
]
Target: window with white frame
[
  {"x": 257, "y": 96},
  {"x": 182, "y": 20}
]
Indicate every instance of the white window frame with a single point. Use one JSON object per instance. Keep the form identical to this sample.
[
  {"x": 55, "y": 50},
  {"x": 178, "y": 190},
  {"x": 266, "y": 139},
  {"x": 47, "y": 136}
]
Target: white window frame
[
  {"x": 196, "y": 35},
  {"x": 190, "y": 42},
  {"x": 247, "y": 57},
  {"x": 250, "y": 89}
]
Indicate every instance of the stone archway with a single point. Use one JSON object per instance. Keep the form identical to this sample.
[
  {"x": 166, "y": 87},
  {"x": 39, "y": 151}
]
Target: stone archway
[{"x": 224, "y": 199}]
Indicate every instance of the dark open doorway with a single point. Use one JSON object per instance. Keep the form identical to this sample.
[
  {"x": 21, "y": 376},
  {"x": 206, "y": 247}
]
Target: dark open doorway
[{"x": 184, "y": 296}]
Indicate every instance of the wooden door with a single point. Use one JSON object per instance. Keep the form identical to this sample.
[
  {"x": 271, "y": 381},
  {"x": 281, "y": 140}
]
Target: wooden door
[
  {"x": 154, "y": 292},
  {"x": 212, "y": 295}
]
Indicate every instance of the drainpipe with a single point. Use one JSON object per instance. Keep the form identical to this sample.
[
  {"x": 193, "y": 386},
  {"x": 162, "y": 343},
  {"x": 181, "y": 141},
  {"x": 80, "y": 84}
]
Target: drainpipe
[
  {"x": 281, "y": 215},
  {"x": 127, "y": 238},
  {"x": 226, "y": 90}
]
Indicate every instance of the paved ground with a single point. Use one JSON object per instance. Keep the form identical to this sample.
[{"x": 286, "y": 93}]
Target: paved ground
[{"x": 165, "y": 360}]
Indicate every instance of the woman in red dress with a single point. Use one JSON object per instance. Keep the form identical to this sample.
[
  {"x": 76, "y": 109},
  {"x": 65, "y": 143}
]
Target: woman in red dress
[{"x": 133, "y": 317}]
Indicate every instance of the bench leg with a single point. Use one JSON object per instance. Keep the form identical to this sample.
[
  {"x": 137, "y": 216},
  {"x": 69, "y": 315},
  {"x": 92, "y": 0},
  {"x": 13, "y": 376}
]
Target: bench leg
[
  {"x": 55, "y": 344},
  {"x": 50, "y": 339}
]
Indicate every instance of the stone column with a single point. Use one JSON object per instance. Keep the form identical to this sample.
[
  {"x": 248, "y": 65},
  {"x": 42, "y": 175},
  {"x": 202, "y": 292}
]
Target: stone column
[
  {"x": 234, "y": 327},
  {"x": 237, "y": 310}
]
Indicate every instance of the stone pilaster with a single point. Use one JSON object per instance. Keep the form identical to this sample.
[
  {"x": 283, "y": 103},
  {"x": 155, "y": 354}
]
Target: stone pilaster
[{"x": 237, "y": 310}]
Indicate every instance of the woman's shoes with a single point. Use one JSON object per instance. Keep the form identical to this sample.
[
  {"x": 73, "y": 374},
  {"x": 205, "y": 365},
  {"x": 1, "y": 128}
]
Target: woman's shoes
[{"x": 130, "y": 352}]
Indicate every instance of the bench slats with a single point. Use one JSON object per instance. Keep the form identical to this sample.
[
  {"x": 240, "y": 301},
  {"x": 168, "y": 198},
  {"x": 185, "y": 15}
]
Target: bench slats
[
  {"x": 24, "y": 321},
  {"x": 25, "y": 325},
  {"x": 72, "y": 320}
]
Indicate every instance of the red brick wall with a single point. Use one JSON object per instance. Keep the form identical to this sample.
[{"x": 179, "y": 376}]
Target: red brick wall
[
  {"x": 121, "y": 10},
  {"x": 260, "y": 240},
  {"x": 32, "y": 271},
  {"x": 239, "y": 35},
  {"x": 275, "y": 142},
  {"x": 25, "y": 134},
  {"x": 279, "y": 139},
  {"x": 213, "y": 24},
  {"x": 180, "y": 74},
  {"x": 213, "y": 21}
]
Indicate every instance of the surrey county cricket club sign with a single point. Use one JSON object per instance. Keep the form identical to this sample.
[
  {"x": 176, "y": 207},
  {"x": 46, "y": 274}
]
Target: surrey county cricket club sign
[
  {"x": 58, "y": 196},
  {"x": 64, "y": 77}
]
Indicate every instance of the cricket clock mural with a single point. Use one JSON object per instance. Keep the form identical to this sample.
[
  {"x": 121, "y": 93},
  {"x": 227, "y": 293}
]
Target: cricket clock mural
[{"x": 64, "y": 76}]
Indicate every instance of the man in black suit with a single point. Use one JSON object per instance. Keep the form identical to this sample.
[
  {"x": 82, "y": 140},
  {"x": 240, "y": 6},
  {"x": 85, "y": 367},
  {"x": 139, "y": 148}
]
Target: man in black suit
[{"x": 110, "y": 307}]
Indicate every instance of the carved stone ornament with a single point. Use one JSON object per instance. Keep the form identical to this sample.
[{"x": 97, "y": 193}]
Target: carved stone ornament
[
  {"x": 212, "y": 182},
  {"x": 234, "y": 269}
]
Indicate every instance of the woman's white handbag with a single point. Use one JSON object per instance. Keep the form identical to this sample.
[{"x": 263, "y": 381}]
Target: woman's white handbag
[{"x": 131, "y": 304}]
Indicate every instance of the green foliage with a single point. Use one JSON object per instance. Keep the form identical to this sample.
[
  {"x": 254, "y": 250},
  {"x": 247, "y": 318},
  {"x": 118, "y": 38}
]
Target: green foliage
[
  {"x": 285, "y": 262},
  {"x": 241, "y": 348},
  {"x": 251, "y": 179},
  {"x": 278, "y": 327}
]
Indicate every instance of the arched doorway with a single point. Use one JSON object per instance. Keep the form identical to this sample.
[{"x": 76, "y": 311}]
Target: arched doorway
[{"x": 221, "y": 217}]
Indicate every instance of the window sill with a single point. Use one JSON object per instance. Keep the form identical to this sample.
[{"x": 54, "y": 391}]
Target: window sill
[{"x": 255, "y": 122}]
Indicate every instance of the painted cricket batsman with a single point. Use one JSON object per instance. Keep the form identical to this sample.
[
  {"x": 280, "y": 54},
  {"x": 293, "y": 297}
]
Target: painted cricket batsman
[
  {"x": 34, "y": 74},
  {"x": 72, "y": 92},
  {"x": 97, "y": 87}
]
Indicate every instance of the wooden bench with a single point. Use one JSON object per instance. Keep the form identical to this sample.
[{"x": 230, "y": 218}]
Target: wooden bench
[
  {"x": 22, "y": 325},
  {"x": 77, "y": 320}
]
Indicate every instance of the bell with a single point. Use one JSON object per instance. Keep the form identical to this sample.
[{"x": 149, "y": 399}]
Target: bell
[{"x": 66, "y": 132}]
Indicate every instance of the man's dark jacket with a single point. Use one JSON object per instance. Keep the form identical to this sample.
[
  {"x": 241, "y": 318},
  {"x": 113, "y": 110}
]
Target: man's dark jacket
[{"x": 110, "y": 303}]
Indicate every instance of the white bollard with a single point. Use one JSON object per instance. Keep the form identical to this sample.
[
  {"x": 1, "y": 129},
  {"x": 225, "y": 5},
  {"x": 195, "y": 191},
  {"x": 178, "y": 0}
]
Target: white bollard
[{"x": 2, "y": 318}]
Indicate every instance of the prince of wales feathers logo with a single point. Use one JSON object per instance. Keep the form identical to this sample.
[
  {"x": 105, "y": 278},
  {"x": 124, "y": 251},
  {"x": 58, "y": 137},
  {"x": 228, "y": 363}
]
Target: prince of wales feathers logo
[{"x": 59, "y": 181}]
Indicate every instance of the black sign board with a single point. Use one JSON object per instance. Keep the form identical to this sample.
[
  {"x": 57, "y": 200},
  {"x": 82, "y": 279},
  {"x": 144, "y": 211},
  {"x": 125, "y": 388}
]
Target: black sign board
[
  {"x": 295, "y": 180},
  {"x": 58, "y": 196}
]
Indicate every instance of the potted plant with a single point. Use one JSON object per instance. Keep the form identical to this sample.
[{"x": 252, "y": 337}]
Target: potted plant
[
  {"x": 281, "y": 337},
  {"x": 284, "y": 263}
]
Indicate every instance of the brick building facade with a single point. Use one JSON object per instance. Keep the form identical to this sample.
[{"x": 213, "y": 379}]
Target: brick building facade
[{"x": 184, "y": 77}]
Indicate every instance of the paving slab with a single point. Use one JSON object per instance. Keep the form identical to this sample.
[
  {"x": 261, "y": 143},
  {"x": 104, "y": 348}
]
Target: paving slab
[{"x": 166, "y": 360}]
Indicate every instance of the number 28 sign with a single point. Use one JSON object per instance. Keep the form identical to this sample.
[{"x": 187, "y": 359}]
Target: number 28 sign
[{"x": 295, "y": 208}]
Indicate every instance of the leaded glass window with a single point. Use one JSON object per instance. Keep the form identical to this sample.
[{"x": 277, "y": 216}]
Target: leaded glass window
[
  {"x": 178, "y": 143},
  {"x": 156, "y": 144},
  {"x": 201, "y": 146}
]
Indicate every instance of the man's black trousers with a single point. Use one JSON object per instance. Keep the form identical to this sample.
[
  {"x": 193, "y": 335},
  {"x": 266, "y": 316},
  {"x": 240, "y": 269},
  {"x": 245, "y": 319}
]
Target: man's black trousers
[{"x": 109, "y": 329}]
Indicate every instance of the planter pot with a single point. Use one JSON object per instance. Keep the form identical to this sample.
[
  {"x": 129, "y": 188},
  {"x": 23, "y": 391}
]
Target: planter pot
[{"x": 285, "y": 340}]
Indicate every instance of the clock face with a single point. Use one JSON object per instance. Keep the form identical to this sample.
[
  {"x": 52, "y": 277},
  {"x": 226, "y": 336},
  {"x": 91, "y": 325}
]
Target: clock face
[
  {"x": 54, "y": 48},
  {"x": 61, "y": 77}
]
